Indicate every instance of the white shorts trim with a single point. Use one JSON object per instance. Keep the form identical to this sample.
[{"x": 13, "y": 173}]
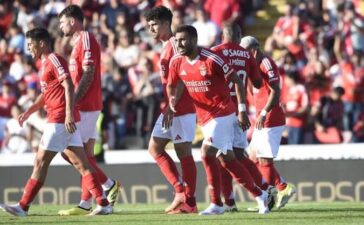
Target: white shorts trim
[
  {"x": 56, "y": 138},
  {"x": 87, "y": 125},
  {"x": 266, "y": 141},
  {"x": 182, "y": 130},
  {"x": 219, "y": 133},
  {"x": 240, "y": 136}
]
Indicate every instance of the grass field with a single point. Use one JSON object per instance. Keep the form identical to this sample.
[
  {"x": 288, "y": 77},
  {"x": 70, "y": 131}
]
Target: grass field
[{"x": 294, "y": 213}]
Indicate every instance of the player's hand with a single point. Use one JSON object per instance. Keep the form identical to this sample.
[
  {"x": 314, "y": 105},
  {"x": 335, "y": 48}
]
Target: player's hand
[
  {"x": 70, "y": 124},
  {"x": 23, "y": 117},
  {"x": 167, "y": 118},
  {"x": 172, "y": 104},
  {"x": 260, "y": 122},
  {"x": 244, "y": 122}
]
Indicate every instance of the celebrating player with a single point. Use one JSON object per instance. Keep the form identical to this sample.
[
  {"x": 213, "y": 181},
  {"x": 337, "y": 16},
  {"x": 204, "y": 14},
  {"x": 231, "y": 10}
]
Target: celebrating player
[{"x": 206, "y": 76}]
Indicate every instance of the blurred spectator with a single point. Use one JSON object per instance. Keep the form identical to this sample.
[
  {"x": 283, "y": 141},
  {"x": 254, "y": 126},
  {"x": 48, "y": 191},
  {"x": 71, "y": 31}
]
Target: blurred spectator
[
  {"x": 328, "y": 117},
  {"x": 144, "y": 88},
  {"x": 203, "y": 24},
  {"x": 358, "y": 131},
  {"x": 127, "y": 52},
  {"x": 7, "y": 99},
  {"x": 223, "y": 11},
  {"x": 6, "y": 16},
  {"x": 16, "y": 70},
  {"x": 16, "y": 138},
  {"x": 296, "y": 107}
]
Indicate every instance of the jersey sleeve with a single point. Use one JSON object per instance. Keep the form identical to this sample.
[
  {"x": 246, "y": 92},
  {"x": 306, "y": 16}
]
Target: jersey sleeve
[
  {"x": 173, "y": 76},
  {"x": 270, "y": 72},
  {"x": 254, "y": 70},
  {"x": 88, "y": 50},
  {"x": 59, "y": 67},
  {"x": 220, "y": 66}
]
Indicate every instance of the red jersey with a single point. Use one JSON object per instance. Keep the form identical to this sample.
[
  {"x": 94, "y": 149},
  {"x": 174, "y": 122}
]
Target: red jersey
[
  {"x": 87, "y": 52},
  {"x": 185, "y": 103},
  {"x": 242, "y": 61},
  {"x": 52, "y": 73},
  {"x": 205, "y": 79},
  {"x": 269, "y": 71}
]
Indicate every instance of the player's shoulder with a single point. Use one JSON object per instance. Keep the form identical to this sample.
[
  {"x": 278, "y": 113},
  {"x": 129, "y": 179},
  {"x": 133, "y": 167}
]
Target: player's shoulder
[
  {"x": 55, "y": 60},
  {"x": 267, "y": 63},
  {"x": 177, "y": 58},
  {"x": 212, "y": 56}
]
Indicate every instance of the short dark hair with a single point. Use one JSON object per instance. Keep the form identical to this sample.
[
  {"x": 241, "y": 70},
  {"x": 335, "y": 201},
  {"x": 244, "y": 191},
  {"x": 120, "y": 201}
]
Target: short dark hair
[
  {"x": 339, "y": 90},
  {"x": 73, "y": 11},
  {"x": 38, "y": 34},
  {"x": 190, "y": 30},
  {"x": 232, "y": 31},
  {"x": 161, "y": 13}
]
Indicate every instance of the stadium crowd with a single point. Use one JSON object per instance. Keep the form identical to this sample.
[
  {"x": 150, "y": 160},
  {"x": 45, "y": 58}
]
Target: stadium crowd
[{"x": 318, "y": 45}]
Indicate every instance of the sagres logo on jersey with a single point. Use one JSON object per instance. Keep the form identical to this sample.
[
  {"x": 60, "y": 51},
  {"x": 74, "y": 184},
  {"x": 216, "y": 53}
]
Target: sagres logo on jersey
[
  {"x": 203, "y": 70},
  {"x": 225, "y": 52}
]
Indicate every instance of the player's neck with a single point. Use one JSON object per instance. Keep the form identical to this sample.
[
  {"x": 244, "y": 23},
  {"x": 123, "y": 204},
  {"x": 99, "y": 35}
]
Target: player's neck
[
  {"x": 193, "y": 55},
  {"x": 166, "y": 37}
]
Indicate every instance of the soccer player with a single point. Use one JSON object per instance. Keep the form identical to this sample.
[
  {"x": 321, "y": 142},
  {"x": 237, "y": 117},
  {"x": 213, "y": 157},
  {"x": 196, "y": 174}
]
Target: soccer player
[
  {"x": 206, "y": 76},
  {"x": 60, "y": 132},
  {"x": 243, "y": 62},
  {"x": 180, "y": 130},
  {"x": 270, "y": 122},
  {"x": 84, "y": 66}
]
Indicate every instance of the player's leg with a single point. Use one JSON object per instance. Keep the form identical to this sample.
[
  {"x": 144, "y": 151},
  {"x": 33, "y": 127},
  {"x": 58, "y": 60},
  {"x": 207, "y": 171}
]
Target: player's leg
[
  {"x": 88, "y": 132},
  {"x": 183, "y": 132},
  {"x": 90, "y": 179},
  {"x": 156, "y": 148},
  {"x": 41, "y": 163},
  {"x": 210, "y": 163},
  {"x": 266, "y": 144}
]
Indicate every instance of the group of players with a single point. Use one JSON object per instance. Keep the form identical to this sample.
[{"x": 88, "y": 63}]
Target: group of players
[{"x": 199, "y": 84}]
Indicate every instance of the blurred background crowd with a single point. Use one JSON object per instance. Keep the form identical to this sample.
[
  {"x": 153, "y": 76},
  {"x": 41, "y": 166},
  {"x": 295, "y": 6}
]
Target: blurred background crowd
[{"x": 318, "y": 45}]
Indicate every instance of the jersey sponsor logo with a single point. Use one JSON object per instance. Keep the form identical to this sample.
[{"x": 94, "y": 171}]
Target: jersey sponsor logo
[
  {"x": 225, "y": 68},
  {"x": 177, "y": 138},
  {"x": 236, "y": 52},
  {"x": 43, "y": 86},
  {"x": 271, "y": 74},
  {"x": 183, "y": 73},
  {"x": 225, "y": 52},
  {"x": 203, "y": 70},
  {"x": 87, "y": 54}
]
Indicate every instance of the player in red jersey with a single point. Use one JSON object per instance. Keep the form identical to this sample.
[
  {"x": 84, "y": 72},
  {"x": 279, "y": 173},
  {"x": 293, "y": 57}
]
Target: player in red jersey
[
  {"x": 270, "y": 122},
  {"x": 60, "y": 133},
  {"x": 243, "y": 62},
  {"x": 84, "y": 65},
  {"x": 182, "y": 131},
  {"x": 206, "y": 76}
]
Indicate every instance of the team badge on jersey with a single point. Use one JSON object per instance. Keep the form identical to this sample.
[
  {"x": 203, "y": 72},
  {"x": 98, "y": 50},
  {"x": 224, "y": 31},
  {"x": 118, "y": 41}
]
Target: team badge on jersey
[{"x": 203, "y": 70}]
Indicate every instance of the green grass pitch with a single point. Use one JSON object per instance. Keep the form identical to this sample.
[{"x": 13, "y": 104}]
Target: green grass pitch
[{"x": 294, "y": 213}]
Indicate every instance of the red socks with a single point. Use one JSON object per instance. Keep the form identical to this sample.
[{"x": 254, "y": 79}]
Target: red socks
[
  {"x": 213, "y": 178},
  {"x": 100, "y": 174},
  {"x": 91, "y": 182},
  {"x": 242, "y": 176},
  {"x": 189, "y": 176},
  {"x": 226, "y": 185},
  {"x": 272, "y": 176},
  {"x": 169, "y": 170},
  {"x": 31, "y": 189},
  {"x": 254, "y": 172}
]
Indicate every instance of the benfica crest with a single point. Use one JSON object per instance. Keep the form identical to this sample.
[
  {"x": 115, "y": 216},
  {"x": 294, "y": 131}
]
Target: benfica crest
[{"x": 203, "y": 70}]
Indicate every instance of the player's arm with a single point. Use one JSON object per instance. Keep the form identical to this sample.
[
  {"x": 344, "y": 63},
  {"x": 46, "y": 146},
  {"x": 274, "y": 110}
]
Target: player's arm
[
  {"x": 241, "y": 96},
  {"x": 273, "y": 99},
  {"x": 69, "y": 98},
  {"x": 174, "y": 93},
  {"x": 88, "y": 72},
  {"x": 38, "y": 104}
]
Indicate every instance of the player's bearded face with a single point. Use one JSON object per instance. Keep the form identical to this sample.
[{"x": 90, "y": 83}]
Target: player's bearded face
[{"x": 184, "y": 43}]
